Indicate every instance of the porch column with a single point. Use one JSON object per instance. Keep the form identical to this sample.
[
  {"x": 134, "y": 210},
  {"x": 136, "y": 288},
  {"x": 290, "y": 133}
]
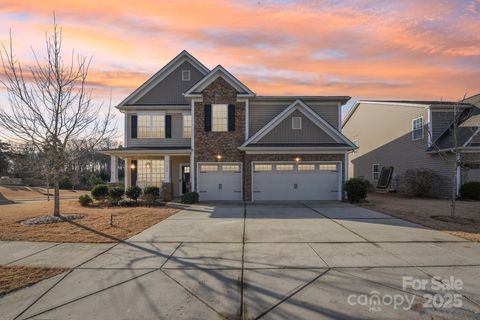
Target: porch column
[
  {"x": 166, "y": 168},
  {"x": 127, "y": 173},
  {"x": 113, "y": 169}
]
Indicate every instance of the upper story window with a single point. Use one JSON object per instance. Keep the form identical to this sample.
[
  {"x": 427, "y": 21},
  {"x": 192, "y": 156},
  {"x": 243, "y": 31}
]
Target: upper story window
[
  {"x": 187, "y": 126},
  {"x": 219, "y": 117},
  {"x": 375, "y": 171},
  {"x": 296, "y": 123},
  {"x": 185, "y": 75},
  {"x": 151, "y": 126},
  {"x": 417, "y": 129}
]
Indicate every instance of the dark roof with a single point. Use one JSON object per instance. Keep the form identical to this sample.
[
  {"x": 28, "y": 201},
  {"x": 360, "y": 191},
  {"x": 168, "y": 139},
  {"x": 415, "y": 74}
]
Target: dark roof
[
  {"x": 305, "y": 98},
  {"x": 426, "y": 102},
  {"x": 147, "y": 148},
  {"x": 286, "y": 145}
]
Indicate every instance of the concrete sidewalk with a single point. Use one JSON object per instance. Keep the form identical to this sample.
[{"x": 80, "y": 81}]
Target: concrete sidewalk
[{"x": 281, "y": 261}]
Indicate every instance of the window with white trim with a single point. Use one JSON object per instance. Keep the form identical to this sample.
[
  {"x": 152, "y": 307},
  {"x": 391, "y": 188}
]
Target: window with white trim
[
  {"x": 185, "y": 75},
  {"x": 150, "y": 173},
  {"x": 284, "y": 167},
  {"x": 262, "y": 167},
  {"x": 219, "y": 117},
  {"x": 296, "y": 123},
  {"x": 417, "y": 129},
  {"x": 208, "y": 168},
  {"x": 187, "y": 126},
  {"x": 375, "y": 171},
  {"x": 231, "y": 168},
  {"x": 151, "y": 126},
  {"x": 328, "y": 167},
  {"x": 306, "y": 167}
]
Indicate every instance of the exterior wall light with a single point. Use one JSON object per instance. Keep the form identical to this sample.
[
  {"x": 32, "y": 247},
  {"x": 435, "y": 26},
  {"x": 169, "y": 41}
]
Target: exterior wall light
[
  {"x": 297, "y": 159},
  {"x": 148, "y": 165},
  {"x": 132, "y": 166},
  {"x": 218, "y": 157}
]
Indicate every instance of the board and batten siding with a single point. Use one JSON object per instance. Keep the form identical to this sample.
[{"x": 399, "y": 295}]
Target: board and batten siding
[
  {"x": 384, "y": 134},
  {"x": 177, "y": 139},
  {"x": 283, "y": 132},
  {"x": 262, "y": 112},
  {"x": 170, "y": 90}
]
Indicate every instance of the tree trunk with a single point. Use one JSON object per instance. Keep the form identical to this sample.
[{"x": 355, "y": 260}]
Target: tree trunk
[
  {"x": 56, "y": 204},
  {"x": 48, "y": 189},
  {"x": 454, "y": 191}
]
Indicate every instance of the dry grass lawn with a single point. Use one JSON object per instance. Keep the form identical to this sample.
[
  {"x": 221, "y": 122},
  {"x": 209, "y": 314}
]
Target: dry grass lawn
[
  {"x": 30, "y": 193},
  {"x": 94, "y": 227},
  {"x": 16, "y": 277},
  {"x": 421, "y": 211}
]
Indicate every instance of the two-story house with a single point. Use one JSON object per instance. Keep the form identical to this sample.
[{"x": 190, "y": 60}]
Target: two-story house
[
  {"x": 189, "y": 128},
  {"x": 415, "y": 135}
]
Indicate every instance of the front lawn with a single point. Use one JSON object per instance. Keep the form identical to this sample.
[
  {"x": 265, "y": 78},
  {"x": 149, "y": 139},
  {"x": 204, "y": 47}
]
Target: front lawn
[
  {"x": 16, "y": 277},
  {"x": 93, "y": 227},
  {"x": 422, "y": 211}
]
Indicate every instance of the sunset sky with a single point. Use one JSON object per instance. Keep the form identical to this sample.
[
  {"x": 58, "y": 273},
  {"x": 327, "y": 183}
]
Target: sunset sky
[{"x": 427, "y": 49}]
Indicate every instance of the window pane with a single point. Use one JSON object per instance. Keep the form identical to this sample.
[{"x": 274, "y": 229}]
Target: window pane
[
  {"x": 205, "y": 168},
  {"x": 232, "y": 168},
  {"x": 219, "y": 117},
  {"x": 296, "y": 123},
  {"x": 150, "y": 173},
  {"x": 151, "y": 126},
  {"x": 284, "y": 167},
  {"x": 306, "y": 167},
  {"x": 376, "y": 171},
  {"x": 187, "y": 126},
  {"x": 262, "y": 167},
  {"x": 328, "y": 167}
]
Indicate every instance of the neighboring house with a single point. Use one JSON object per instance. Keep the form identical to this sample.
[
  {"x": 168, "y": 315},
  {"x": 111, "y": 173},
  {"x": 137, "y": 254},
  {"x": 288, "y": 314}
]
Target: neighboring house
[
  {"x": 189, "y": 128},
  {"x": 414, "y": 135}
]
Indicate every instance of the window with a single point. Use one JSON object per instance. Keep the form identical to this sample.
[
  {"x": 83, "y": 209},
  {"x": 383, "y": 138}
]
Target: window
[
  {"x": 284, "y": 167},
  {"x": 187, "y": 126},
  {"x": 262, "y": 167},
  {"x": 417, "y": 129},
  {"x": 151, "y": 126},
  {"x": 208, "y": 168},
  {"x": 375, "y": 171},
  {"x": 357, "y": 143},
  {"x": 185, "y": 75},
  {"x": 231, "y": 168},
  {"x": 328, "y": 167},
  {"x": 296, "y": 123},
  {"x": 219, "y": 117},
  {"x": 306, "y": 167},
  {"x": 150, "y": 173}
]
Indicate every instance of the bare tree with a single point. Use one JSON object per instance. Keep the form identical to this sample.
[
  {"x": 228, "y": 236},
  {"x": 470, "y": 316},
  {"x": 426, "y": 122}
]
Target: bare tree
[{"x": 50, "y": 105}]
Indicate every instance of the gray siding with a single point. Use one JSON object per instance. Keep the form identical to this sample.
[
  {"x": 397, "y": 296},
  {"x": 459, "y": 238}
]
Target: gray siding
[
  {"x": 441, "y": 120},
  {"x": 262, "y": 112},
  {"x": 283, "y": 133},
  {"x": 177, "y": 139},
  {"x": 170, "y": 90}
]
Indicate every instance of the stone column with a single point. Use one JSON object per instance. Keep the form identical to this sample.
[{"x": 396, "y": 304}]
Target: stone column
[{"x": 113, "y": 169}]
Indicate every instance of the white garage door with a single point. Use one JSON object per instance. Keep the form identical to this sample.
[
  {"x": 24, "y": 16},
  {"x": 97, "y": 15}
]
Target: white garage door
[
  {"x": 219, "y": 181},
  {"x": 292, "y": 181}
]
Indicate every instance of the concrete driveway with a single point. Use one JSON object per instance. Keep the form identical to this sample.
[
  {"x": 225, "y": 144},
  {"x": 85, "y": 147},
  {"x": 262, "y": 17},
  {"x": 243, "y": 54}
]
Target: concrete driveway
[{"x": 281, "y": 261}]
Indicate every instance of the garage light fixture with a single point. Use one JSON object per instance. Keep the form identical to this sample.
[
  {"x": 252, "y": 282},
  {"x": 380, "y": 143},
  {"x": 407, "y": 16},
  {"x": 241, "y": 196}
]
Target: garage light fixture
[
  {"x": 297, "y": 159},
  {"x": 218, "y": 157}
]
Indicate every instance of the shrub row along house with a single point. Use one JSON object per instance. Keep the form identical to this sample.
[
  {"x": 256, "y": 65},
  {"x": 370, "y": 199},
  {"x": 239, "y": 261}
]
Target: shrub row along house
[
  {"x": 416, "y": 135},
  {"x": 189, "y": 128}
]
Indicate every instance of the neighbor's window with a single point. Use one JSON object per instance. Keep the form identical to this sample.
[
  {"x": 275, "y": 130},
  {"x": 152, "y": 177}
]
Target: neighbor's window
[
  {"x": 186, "y": 75},
  {"x": 417, "y": 129},
  {"x": 150, "y": 173},
  {"x": 231, "y": 168},
  {"x": 284, "y": 167},
  {"x": 219, "y": 117},
  {"x": 262, "y": 167},
  {"x": 187, "y": 126},
  {"x": 208, "y": 168},
  {"x": 151, "y": 126},
  {"x": 328, "y": 167},
  {"x": 375, "y": 171},
  {"x": 306, "y": 167},
  {"x": 297, "y": 123}
]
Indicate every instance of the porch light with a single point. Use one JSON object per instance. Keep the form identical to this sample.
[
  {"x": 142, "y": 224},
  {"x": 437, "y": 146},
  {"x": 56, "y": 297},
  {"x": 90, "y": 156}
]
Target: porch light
[
  {"x": 218, "y": 157},
  {"x": 297, "y": 159},
  {"x": 132, "y": 166},
  {"x": 148, "y": 165}
]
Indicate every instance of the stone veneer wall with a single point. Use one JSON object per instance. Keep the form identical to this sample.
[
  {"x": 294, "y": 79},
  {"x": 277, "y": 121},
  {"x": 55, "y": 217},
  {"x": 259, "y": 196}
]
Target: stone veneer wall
[
  {"x": 210, "y": 144},
  {"x": 247, "y": 166}
]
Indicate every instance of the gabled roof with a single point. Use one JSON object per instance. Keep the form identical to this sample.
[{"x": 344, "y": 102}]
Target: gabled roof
[
  {"x": 338, "y": 137},
  {"x": 162, "y": 73},
  {"x": 219, "y": 71}
]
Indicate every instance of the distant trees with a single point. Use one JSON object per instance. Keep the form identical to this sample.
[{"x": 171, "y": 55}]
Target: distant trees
[{"x": 4, "y": 158}]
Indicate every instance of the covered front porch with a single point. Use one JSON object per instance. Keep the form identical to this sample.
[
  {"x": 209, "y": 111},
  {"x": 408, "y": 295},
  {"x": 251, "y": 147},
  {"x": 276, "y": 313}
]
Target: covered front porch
[{"x": 167, "y": 169}]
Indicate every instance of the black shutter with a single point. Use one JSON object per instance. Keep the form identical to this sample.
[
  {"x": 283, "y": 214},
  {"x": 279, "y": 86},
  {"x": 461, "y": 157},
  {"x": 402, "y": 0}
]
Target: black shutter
[
  {"x": 168, "y": 126},
  {"x": 231, "y": 117},
  {"x": 133, "y": 134},
  {"x": 133, "y": 172},
  {"x": 208, "y": 117}
]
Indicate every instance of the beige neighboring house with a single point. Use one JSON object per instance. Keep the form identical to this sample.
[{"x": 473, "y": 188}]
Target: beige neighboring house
[{"x": 414, "y": 135}]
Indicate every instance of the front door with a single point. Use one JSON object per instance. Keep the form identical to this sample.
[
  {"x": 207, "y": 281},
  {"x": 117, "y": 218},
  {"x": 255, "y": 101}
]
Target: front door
[{"x": 185, "y": 172}]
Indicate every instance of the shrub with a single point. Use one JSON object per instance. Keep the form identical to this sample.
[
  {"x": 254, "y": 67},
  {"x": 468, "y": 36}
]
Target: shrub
[
  {"x": 127, "y": 203},
  {"x": 116, "y": 194},
  {"x": 420, "y": 182},
  {"x": 100, "y": 192},
  {"x": 151, "y": 194},
  {"x": 85, "y": 200},
  {"x": 357, "y": 189},
  {"x": 65, "y": 183},
  {"x": 94, "y": 180},
  {"x": 470, "y": 190},
  {"x": 133, "y": 192},
  {"x": 190, "y": 197}
]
